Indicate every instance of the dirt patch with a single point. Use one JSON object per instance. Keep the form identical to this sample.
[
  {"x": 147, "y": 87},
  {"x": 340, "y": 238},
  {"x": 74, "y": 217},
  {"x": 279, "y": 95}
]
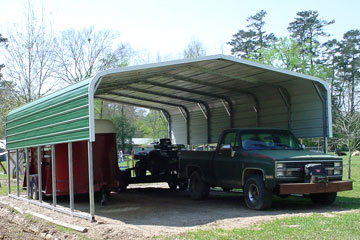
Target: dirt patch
[
  {"x": 14, "y": 225},
  {"x": 148, "y": 210}
]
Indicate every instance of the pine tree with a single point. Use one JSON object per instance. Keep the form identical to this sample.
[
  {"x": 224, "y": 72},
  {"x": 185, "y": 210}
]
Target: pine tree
[
  {"x": 306, "y": 30},
  {"x": 249, "y": 43}
]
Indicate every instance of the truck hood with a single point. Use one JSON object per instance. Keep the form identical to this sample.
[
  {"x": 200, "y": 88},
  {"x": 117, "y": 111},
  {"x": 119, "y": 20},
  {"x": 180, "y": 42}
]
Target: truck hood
[{"x": 289, "y": 155}]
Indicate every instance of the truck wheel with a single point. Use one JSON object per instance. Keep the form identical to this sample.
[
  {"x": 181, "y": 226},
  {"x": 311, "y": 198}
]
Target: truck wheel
[
  {"x": 323, "y": 198},
  {"x": 256, "y": 195},
  {"x": 183, "y": 184},
  {"x": 197, "y": 187}
]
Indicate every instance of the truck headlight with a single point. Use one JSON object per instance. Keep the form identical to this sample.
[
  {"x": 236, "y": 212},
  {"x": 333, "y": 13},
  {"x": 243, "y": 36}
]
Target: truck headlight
[
  {"x": 280, "y": 174},
  {"x": 337, "y": 164},
  {"x": 337, "y": 172},
  {"x": 280, "y": 165}
]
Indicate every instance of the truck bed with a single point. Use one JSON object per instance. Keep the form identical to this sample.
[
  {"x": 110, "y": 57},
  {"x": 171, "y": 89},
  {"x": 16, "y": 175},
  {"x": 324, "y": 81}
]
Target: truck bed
[{"x": 196, "y": 159}]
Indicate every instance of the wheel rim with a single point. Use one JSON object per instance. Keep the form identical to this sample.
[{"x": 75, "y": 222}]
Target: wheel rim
[{"x": 253, "y": 193}]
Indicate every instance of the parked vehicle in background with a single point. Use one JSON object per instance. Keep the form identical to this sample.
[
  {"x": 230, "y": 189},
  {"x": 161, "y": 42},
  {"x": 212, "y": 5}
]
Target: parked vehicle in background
[
  {"x": 263, "y": 162},
  {"x": 161, "y": 163}
]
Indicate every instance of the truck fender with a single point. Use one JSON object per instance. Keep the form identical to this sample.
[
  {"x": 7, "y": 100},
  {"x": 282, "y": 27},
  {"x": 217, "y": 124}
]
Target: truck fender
[
  {"x": 251, "y": 171},
  {"x": 191, "y": 168},
  {"x": 269, "y": 183}
]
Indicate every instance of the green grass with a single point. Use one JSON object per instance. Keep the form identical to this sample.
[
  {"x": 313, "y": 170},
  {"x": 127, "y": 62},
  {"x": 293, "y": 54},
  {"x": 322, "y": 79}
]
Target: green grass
[
  {"x": 341, "y": 226},
  {"x": 351, "y": 199}
]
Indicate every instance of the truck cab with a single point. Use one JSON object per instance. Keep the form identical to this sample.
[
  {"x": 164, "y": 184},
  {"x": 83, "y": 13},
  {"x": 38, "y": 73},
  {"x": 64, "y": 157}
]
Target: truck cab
[{"x": 263, "y": 162}]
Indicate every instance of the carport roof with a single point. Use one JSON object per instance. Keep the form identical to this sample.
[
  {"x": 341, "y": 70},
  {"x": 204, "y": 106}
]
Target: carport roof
[{"x": 181, "y": 85}]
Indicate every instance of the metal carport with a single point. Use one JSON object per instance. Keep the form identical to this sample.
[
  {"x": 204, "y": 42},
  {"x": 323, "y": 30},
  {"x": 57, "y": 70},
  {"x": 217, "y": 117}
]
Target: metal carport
[{"x": 199, "y": 97}]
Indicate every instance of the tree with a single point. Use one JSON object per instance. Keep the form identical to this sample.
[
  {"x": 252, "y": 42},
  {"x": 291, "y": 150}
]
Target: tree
[
  {"x": 329, "y": 54},
  {"x": 80, "y": 54},
  {"x": 2, "y": 41},
  {"x": 7, "y": 98},
  {"x": 348, "y": 67},
  {"x": 194, "y": 49},
  {"x": 283, "y": 53},
  {"x": 124, "y": 131},
  {"x": 306, "y": 30},
  {"x": 347, "y": 129},
  {"x": 250, "y": 43},
  {"x": 30, "y": 59},
  {"x": 153, "y": 125}
]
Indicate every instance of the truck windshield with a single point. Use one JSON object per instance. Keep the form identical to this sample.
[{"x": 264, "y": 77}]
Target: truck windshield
[{"x": 269, "y": 140}]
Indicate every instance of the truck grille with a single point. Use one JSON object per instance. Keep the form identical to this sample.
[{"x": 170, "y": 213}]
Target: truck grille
[{"x": 297, "y": 169}]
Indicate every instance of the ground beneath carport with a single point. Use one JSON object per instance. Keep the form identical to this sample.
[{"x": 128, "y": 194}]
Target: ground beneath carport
[{"x": 148, "y": 210}]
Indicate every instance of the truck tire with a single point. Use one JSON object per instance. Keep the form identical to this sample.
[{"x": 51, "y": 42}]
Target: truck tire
[
  {"x": 198, "y": 189},
  {"x": 183, "y": 184},
  {"x": 323, "y": 198},
  {"x": 256, "y": 195}
]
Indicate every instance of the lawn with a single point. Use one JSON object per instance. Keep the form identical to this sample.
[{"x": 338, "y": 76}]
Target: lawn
[{"x": 337, "y": 226}]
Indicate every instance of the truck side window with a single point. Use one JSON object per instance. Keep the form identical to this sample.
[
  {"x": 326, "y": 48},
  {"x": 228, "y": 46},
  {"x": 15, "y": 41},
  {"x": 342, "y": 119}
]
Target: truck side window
[{"x": 230, "y": 139}]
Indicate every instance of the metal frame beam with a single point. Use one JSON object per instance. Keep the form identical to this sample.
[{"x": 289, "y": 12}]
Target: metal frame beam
[
  {"x": 168, "y": 120},
  {"x": 323, "y": 100},
  {"x": 285, "y": 96},
  {"x": 71, "y": 177},
  {"x": 8, "y": 172},
  {"x": 145, "y": 99},
  {"x": 53, "y": 174},
  {"x": 164, "y": 85},
  {"x": 27, "y": 171},
  {"x": 163, "y": 94},
  {"x": 39, "y": 163},
  {"x": 175, "y": 97},
  {"x": 244, "y": 79},
  {"x": 91, "y": 181},
  {"x": 218, "y": 86},
  {"x": 17, "y": 173}
]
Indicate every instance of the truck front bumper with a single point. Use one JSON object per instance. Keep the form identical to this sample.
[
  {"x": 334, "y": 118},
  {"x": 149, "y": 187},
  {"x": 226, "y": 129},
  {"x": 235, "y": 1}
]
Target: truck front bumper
[{"x": 305, "y": 188}]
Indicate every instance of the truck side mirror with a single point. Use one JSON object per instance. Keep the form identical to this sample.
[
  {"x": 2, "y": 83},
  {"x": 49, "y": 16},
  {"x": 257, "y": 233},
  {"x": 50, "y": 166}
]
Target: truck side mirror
[
  {"x": 225, "y": 147},
  {"x": 302, "y": 146}
]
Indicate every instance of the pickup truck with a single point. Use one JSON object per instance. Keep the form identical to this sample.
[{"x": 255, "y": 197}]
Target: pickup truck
[{"x": 263, "y": 162}]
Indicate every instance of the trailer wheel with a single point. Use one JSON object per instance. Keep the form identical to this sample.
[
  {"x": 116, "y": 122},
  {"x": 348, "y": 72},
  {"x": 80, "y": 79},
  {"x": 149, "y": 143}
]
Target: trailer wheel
[
  {"x": 140, "y": 171},
  {"x": 323, "y": 198},
  {"x": 256, "y": 195},
  {"x": 34, "y": 194},
  {"x": 197, "y": 187}
]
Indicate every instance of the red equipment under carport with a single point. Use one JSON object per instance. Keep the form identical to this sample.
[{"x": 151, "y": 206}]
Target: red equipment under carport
[{"x": 105, "y": 162}]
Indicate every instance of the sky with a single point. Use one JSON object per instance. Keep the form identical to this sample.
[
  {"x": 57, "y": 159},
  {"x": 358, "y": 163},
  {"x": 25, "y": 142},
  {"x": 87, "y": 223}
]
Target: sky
[{"x": 165, "y": 27}]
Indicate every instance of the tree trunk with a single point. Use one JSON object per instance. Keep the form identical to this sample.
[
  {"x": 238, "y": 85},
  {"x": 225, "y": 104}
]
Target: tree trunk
[{"x": 349, "y": 167}]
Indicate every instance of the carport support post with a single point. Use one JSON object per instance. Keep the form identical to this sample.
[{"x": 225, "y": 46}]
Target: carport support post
[
  {"x": 27, "y": 173},
  {"x": 71, "y": 179},
  {"x": 91, "y": 180},
  {"x": 17, "y": 173},
  {"x": 39, "y": 173},
  {"x": 8, "y": 172},
  {"x": 53, "y": 174}
]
